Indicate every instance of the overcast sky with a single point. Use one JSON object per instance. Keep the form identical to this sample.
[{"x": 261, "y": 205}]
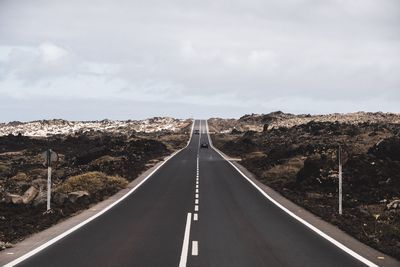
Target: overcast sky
[{"x": 87, "y": 60}]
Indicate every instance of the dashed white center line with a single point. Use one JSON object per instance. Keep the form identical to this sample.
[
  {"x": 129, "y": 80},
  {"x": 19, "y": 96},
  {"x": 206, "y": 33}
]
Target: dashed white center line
[
  {"x": 195, "y": 248},
  {"x": 195, "y": 245}
]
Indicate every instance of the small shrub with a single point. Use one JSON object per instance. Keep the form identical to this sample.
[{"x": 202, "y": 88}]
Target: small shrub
[{"x": 92, "y": 182}]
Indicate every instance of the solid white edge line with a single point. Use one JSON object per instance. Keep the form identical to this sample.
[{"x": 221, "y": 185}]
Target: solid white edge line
[
  {"x": 310, "y": 226},
  {"x": 195, "y": 248},
  {"x": 185, "y": 245},
  {"x": 76, "y": 227}
]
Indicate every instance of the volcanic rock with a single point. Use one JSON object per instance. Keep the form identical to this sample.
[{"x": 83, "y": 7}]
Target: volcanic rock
[
  {"x": 13, "y": 198},
  {"x": 78, "y": 196},
  {"x": 60, "y": 198},
  {"x": 20, "y": 177},
  {"x": 4, "y": 245},
  {"x": 314, "y": 195},
  {"x": 394, "y": 204},
  {"x": 29, "y": 195},
  {"x": 387, "y": 148},
  {"x": 40, "y": 183},
  {"x": 41, "y": 197},
  {"x": 235, "y": 131}
]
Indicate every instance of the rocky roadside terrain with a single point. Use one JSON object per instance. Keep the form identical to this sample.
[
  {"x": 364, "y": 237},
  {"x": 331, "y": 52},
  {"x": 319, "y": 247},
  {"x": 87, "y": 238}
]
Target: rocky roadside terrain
[
  {"x": 296, "y": 155},
  {"x": 64, "y": 127},
  {"x": 93, "y": 165}
]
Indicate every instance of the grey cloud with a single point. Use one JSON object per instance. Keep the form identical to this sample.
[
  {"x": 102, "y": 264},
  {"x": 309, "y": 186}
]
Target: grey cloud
[{"x": 239, "y": 54}]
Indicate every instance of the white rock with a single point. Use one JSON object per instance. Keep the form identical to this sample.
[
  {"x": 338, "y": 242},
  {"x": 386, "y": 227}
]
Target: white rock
[
  {"x": 13, "y": 198},
  {"x": 394, "y": 204}
]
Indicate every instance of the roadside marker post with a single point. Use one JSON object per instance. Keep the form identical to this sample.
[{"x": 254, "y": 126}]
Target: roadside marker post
[
  {"x": 340, "y": 180},
  {"x": 48, "y": 179},
  {"x": 50, "y": 157}
]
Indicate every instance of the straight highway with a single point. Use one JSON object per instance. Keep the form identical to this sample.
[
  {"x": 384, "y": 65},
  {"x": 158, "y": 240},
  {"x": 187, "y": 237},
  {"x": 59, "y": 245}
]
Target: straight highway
[{"x": 195, "y": 210}]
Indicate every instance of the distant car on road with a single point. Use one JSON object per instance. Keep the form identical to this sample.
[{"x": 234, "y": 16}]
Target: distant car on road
[
  {"x": 196, "y": 132},
  {"x": 204, "y": 145}
]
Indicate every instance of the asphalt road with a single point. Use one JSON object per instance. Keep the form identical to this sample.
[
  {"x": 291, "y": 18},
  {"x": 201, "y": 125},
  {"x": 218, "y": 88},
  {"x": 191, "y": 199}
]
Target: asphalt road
[{"x": 166, "y": 223}]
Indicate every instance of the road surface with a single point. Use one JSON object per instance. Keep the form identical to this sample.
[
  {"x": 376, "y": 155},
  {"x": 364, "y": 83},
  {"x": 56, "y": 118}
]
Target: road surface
[{"x": 196, "y": 210}]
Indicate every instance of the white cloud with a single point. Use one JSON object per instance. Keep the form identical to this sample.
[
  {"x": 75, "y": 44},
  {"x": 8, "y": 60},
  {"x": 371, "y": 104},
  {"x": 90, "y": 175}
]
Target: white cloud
[{"x": 51, "y": 53}]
